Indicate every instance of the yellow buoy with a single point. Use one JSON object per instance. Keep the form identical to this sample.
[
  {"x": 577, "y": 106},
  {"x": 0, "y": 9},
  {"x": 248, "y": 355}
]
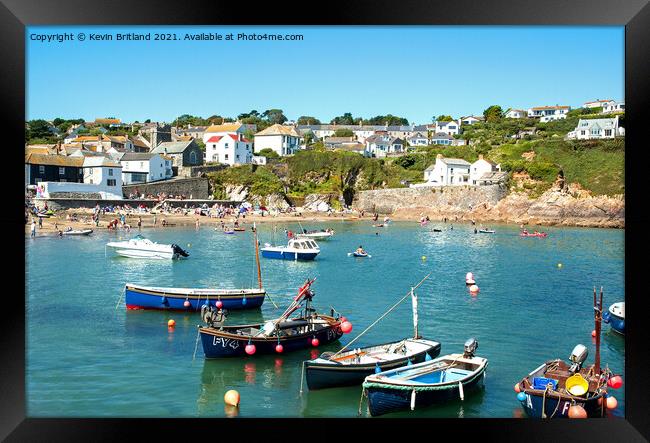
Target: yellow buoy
[
  {"x": 424, "y": 257},
  {"x": 231, "y": 398},
  {"x": 559, "y": 265},
  {"x": 171, "y": 323},
  {"x": 189, "y": 245}
]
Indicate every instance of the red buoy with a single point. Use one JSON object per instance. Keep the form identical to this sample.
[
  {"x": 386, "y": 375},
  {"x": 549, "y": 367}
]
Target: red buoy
[
  {"x": 187, "y": 303},
  {"x": 250, "y": 349},
  {"x": 615, "y": 382},
  {"x": 279, "y": 349},
  {"x": 346, "y": 327},
  {"x": 219, "y": 304},
  {"x": 577, "y": 411},
  {"x": 593, "y": 333},
  {"x": 314, "y": 342}
]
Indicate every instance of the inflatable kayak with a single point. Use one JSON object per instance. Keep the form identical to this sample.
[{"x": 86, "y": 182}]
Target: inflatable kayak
[
  {"x": 486, "y": 231},
  {"x": 356, "y": 254}
]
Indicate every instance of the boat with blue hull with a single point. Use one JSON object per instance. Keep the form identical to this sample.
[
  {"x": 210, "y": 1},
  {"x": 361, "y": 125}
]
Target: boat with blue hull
[
  {"x": 190, "y": 299},
  {"x": 615, "y": 316},
  {"x": 557, "y": 389},
  {"x": 296, "y": 249},
  {"x": 420, "y": 385},
  {"x": 283, "y": 334}
]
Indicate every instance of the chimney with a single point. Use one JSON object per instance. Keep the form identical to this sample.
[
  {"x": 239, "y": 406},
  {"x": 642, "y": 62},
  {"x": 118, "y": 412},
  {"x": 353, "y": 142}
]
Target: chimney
[
  {"x": 480, "y": 156},
  {"x": 438, "y": 156}
]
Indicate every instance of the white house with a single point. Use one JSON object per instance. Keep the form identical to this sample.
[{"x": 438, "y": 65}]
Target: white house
[
  {"x": 550, "y": 118},
  {"x": 597, "y": 128},
  {"x": 597, "y": 103},
  {"x": 382, "y": 145},
  {"x": 442, "y": 138},
  {"x": 226, "y": 144},
  {"x": 451, "y": 128},
  {"x": 284, "y": 140},
  {"x": 418, "y": 139},
  {"x": 448, "y": 172},
  {"x": 470, "y": 120},
  {"x": 541, "y": 111},
  {"x": 516, "y": 113},
  {"x": 140, "y": 167},
  {"x": 613, "y": 107},
  {"x": 480, "y": 167}
]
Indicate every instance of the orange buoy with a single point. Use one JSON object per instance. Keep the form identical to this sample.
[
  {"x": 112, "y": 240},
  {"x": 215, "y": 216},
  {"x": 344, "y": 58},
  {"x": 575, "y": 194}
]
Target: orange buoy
[
  {"x": 577, "y": 411},
  {"x": 346, "y": 327},
  {"x": 473, "y": 289},
  {"x": 171, "y": 323},
  {"x": 232, "y": 398},
  {"x": 517, "y": 388},
  {"x": 611, "y": 402},
  {"x": 593, "y": 333}
]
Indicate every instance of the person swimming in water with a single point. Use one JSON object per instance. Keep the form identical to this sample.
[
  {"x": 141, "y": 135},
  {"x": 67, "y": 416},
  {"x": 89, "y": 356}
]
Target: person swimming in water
[{"x": 360, "y": 250}]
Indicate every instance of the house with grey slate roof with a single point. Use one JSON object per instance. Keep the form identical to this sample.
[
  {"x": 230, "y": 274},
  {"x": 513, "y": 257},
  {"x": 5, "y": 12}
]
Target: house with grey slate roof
[
  {"x": 183, "y": 153},
  {"x": 596, "y": 128}
]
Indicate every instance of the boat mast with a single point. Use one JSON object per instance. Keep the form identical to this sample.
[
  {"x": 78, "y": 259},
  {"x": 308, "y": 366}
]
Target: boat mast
[
  {"x": 598, "y": 316},
  {"x": 414, "y": 299},
  {"x": 257, "y": 256}
]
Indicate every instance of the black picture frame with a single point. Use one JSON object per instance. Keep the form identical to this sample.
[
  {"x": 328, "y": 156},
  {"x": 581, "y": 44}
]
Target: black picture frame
[{"x": 633, "y": 14}]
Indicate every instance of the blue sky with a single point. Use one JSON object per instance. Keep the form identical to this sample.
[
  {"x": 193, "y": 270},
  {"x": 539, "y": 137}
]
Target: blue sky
[{"x": 412, "y": 72}]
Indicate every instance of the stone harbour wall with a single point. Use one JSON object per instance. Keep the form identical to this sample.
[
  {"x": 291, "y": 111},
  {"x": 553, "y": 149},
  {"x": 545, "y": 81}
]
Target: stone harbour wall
[
  {"x": 197, "y": 187},
  {"x": 448, "y": 201}
]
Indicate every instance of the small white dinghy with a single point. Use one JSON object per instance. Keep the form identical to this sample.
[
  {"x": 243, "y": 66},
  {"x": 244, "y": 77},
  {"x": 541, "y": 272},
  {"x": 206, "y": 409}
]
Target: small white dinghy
[
  {"x": 78, "y": 232},
  {"x": 140, "y": 247}
]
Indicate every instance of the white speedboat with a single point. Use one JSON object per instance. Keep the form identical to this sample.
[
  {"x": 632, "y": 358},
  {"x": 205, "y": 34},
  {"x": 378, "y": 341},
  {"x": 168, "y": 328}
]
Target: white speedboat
[
  {"x": 77, "y": 232},
  {"x": 140, "y": 247},
  {"x": 316, "y": 235},
  {"x": 296, "y": 249}
]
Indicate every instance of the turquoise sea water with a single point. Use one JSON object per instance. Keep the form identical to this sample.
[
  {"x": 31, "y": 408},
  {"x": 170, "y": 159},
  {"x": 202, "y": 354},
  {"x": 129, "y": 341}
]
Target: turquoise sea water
[{"x": 89, "y": 357}]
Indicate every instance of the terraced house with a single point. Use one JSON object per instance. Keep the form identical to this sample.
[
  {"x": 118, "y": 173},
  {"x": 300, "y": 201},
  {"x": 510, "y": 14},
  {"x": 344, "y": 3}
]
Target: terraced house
[
  {"x": 284, "y": 140},
  {"x": 227, "y": 144}
]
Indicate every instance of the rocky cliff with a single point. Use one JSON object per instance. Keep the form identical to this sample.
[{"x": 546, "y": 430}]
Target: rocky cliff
[{"x": 560, "y": 205}]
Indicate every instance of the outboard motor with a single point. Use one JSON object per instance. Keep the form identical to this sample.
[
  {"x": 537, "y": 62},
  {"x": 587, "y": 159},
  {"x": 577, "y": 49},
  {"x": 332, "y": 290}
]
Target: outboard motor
[
  {"x": 213, "y": 316},
  {"x": 470, "y": 347},
  {"x": 180, "y": 251},
  {"x": 578, "y": 356}
]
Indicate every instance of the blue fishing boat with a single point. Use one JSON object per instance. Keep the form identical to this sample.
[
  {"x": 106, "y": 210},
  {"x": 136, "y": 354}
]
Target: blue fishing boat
[
  {"x": 414, "y": 386},
  {"x": 283, "y": 334},
  {"x": 192, "y": 299},
  {"x": 296, "y": 249},
  {"x": 615, "y": 316},
  {"x": 556, "y": 389}
]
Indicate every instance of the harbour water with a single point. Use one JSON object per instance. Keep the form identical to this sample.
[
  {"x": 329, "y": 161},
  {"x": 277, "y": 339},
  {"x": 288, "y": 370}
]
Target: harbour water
[{"x": 87, "y": 356}]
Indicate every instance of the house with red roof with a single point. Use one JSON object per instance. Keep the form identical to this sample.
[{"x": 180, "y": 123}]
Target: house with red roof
[{"x": 227, "y": 144}]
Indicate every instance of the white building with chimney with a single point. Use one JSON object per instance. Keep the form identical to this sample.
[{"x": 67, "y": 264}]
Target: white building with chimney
[
  {"x": 282, "y": 139},
  {"x": 227, "y": 144}
]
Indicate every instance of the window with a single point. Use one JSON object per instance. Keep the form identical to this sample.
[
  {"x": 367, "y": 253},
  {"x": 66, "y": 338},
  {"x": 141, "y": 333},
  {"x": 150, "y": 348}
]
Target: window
[
  {"x": 110, "y": 171},
  {"x": 81, "y": 172},
  {"x": 608, "y": 132},
  {"x": 192, "y": 157},
  {"x": 62, "y": 171},
  {"x": 111, "y": 182},
  {"x": 583, "y": 132},
  {"x": 142, "y": 164},
  {"x": 226, "y": 145},
  {"x": 226, "y": 156},
  {"x": 41, "y": 169},
  {"x": 214, "y": 146},
  {"x": 237, "y": 156}
]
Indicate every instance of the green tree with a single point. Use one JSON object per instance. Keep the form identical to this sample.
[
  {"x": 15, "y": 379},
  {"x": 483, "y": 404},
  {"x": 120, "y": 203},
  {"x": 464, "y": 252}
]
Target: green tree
[
  {"x": 444, "y": 118},
  {"x": 343, "y": 133},
  {"x": 307, "y": 120},
  {"x": 200, "y": 144},
  {"x": 389, "y": 119},
  {"x": 57, "y": 121},
  {"x": 39, "y": 129},
  {"x": 274, "y": 116},
  {"x": 493, "y": 114},
  {"x": 345, "y": 119},
  {"x": 309, "y": 138},
  {"x": 268, "y": 153}
]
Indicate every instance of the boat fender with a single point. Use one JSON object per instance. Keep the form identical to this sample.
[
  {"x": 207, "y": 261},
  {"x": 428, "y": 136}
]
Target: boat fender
[
  {"x": 412, "y": 399},
  {"x": 460, "y": 391}
]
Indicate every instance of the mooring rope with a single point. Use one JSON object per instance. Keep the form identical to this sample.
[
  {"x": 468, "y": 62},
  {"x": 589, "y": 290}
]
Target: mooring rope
[
  {"x": 196, "y": 344},
  {"x": 384, "y": 315},
  {"x": 363, "y": 393},
  {"x": 119, "y": 300},
  {"x": 302, "y": 376}
]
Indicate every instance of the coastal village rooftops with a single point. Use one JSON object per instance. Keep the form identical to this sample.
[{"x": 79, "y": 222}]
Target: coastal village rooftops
[
  {"x": 338, "y": 140},
  {"x": 441, "y": 136},
  {"x": 226, "y": 127},
  {"x": 40, "y": 149},
  {"x": 171, "y": 147},
  {"x": 91, "y": 138},
  {"x": 185, "y": 138},
  {"x": 136, "y": 156},
  {"x": 54, "y": 160},
  {"x": 99, "y": 161},
  {"x": 598, "y": 101},
  {"x": 539, "y": 108},
  {"x": 216, "y": 138},
  {"x": 278, "y": 130},
  {"x": 453, "y": 161},
  {"x": 139, "y": 142},
  {"x": 431, "y": 167},
  {"x": 107, "y": 121},
  {"x": 602, "y": 123}
]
